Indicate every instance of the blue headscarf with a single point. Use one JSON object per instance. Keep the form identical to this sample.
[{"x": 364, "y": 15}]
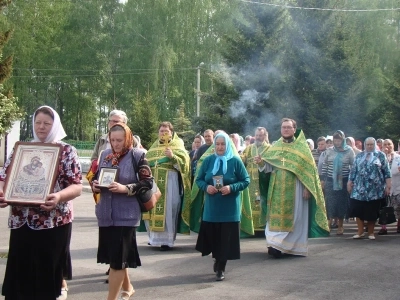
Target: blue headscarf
[
  {"x": 226, "y": 156},
  {"x": 371, "y": 157},
  {"x": 338, "y": 161}
]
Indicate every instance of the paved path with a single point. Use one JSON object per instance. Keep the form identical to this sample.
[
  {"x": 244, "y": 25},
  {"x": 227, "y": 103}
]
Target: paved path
[{"x": 337, "y": 267}]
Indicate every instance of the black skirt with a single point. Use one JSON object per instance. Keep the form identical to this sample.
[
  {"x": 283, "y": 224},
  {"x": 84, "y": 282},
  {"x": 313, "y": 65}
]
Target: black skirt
[
  {"x": 365, "y": 210},
  {"x": 118, "y": 247},
  {"x": 35, "y": 263},
  {"x": 220, "y": 239},
  {"x": 67, "y": 270}
]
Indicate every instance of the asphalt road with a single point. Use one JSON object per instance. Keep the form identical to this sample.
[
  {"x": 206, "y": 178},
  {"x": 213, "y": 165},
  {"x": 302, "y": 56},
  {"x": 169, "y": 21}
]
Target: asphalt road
[{"x": 337, "y": 267}]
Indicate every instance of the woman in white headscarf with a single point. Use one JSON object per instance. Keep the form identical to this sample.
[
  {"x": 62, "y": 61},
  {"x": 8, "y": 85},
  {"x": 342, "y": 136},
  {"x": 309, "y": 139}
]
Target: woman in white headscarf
[{"x": 39, "y": 234}]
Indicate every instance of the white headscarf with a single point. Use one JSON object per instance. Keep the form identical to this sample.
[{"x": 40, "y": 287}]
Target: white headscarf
[{"x": 56, "y": 133}]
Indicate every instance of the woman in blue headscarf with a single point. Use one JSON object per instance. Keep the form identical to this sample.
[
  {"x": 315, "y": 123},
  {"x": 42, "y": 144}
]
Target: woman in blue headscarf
[
  {"x": 369, "y": 182},
  {"x": 335, "y": 174},
  {"x": 222, "y": 177}
]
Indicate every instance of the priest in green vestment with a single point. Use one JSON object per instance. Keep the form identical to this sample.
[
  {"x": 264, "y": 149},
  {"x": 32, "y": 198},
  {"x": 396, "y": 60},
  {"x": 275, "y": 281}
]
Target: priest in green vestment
[
  {"x": 197, "y": 201},
  {"x": 295, "y": 202},
  {"x": 258, "y": 187},
  {"x": 170, "y": 165}
]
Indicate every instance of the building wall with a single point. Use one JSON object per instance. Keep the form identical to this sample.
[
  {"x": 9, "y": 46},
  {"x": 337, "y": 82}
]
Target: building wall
[{"x": 7, "y": 142}]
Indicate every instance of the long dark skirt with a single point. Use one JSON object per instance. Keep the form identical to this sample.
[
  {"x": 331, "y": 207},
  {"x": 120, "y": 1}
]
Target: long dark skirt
[
  {"x": 67, "y": 270},
  {"x": 337, "y": 202},
  {"x": 35, "y": 263},
  {"x": 220, "y": 239},
  {"x": 365, "y": 210},
  {"x": 118, "y": 247}
]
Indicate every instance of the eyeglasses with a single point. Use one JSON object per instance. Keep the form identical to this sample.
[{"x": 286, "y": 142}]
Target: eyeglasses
[{"x": 287, "y": 127}]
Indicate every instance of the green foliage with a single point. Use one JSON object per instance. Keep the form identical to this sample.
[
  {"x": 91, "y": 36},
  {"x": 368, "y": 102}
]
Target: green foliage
[
  {"x": 9, "y": 111},
  {"x": 143, "y": 119},
  {"x": 182, "y": 125}
]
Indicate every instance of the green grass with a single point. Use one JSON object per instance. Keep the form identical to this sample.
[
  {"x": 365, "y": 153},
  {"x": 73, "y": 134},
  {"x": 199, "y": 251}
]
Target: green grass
[{"x": 3, "y": 254}]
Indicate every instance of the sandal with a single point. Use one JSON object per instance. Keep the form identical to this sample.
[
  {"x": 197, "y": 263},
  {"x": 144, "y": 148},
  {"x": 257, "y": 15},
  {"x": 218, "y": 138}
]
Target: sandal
[{"x": 125, "y": 295}]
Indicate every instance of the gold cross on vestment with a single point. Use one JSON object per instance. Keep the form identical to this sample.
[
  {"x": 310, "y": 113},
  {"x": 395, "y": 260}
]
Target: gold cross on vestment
[
  {"x": 161, "y": 180},
  {"x": 159, "y": 206},
  {"x": 283, "y": 161}
]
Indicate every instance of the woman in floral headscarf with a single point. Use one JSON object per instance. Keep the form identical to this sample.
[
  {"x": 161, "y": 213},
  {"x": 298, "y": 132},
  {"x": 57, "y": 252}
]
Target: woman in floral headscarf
[
  {"x": 222, "y": 177},
  {"x": 118, "y": 212},
  {"x": 335, "y": 173},
  {"x": 369, "y": 183}
]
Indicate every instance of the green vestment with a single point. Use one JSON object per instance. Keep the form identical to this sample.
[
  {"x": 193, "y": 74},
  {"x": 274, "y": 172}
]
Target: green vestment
[
  {"x": 291, "y": 161},
  {"x": 258, "y": 188},
  {"x": 160, "y": 166}
]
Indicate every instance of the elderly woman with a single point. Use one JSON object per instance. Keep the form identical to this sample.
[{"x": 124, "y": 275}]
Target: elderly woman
[
  {"x": 39, "y": 234},
  {"x": 335, "y": 173},
  {"x": 222, "y": 177},
  {"x": 369, "y": 183},
  {"x": 350, "y": 141},
  {"x": 394, "y": 165},
  {"x": 118, "y": 211}
]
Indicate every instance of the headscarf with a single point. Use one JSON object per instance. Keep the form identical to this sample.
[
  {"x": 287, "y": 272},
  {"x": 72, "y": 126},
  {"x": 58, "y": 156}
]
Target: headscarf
[
  {"x": 352, "y": 141},
  {"x": 116, "y": 157},
  {"x": 311, "y": 143},
  {"x": 56, "y": 133},
  {"x": 338, "y": 161},
  {"x": 375, "y": 150},
  {"x": 226, "y": 156},
  {"x": 235, "y": 140},
  {"x": 202, "y": 140}
]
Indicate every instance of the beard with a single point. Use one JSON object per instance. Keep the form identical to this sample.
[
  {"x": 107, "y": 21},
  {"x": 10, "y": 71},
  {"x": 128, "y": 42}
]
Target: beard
[{"x": 258, "y": 143}]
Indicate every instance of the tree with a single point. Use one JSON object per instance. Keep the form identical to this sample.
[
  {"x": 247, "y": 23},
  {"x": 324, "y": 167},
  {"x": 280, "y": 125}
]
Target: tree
[
  {"x": 9, "y": 110},
  {"x": 144, "y": 119},
  {"x": 182, "y": 126}
]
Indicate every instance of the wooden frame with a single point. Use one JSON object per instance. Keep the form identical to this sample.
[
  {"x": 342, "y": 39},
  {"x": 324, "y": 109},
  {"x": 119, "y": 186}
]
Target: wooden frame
[
  {"x": 32, "y": 174},
  {"x": 107, "y": 176}
]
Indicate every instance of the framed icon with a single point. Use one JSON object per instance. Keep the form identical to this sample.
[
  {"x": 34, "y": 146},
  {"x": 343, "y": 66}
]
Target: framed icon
[
  {"x": 218, "y": 182},
  {"x": 32, "y": 173},
  {"x": 107, "y": 176}
]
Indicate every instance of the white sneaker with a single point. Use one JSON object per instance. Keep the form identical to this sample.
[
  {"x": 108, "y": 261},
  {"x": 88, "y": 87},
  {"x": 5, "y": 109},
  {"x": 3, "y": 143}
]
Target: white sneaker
[{"x": 64, "y": 294}]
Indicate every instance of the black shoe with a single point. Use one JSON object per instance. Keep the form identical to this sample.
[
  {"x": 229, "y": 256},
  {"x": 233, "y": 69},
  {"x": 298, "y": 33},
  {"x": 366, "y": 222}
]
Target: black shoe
[
  {"x": 165, "y": 248},
  {"x": 382, "y": 232},
  {"x": 275, "y": 252},
  {"x": 106, "y": 281},
  {"x": 108, "y": 271},
  {"x": 220, "y": 275}
]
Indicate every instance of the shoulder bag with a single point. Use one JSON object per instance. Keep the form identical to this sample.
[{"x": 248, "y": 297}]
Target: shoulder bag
[{"x": 147, "y": 199}]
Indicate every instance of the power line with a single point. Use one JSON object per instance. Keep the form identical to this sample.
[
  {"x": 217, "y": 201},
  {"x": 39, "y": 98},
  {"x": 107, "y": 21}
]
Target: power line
[
  {"x": 76, "y": 70},
  {"x": 320, "y": 9},
  {"x": 95, "y": 75}
]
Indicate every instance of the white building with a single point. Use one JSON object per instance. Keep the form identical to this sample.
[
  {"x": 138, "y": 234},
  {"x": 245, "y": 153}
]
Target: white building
[{"x": 7, "y": 142}]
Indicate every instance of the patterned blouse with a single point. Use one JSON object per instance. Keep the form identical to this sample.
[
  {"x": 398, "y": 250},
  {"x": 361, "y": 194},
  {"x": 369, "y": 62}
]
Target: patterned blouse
[
  {"x": 69, "y": 172},
  {"x": 369, "y": 177}
]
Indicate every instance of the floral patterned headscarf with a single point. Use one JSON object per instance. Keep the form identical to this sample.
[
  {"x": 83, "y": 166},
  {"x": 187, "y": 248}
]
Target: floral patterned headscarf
[{"x": 114, "y": 156}]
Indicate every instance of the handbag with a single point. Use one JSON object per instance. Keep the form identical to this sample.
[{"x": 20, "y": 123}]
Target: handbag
[
  {"x": 147, "y": 199},
  {"x": 386, "y": 214}
]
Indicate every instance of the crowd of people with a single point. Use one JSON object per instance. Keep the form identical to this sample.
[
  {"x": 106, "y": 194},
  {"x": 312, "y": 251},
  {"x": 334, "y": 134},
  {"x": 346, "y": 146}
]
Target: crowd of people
[{"x": 224, "y": 189}]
